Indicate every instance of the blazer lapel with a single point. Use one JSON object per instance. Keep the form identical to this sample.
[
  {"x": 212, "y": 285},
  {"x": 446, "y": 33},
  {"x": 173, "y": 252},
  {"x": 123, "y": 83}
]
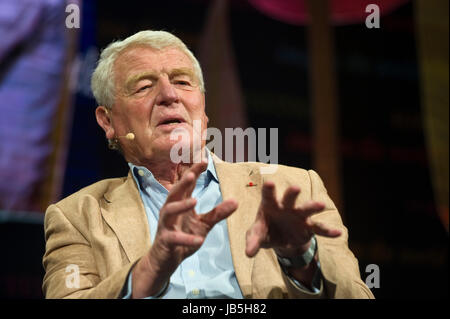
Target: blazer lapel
[
  {"x": 244, "y": 185},
  {"x": 125, "y": 214}
]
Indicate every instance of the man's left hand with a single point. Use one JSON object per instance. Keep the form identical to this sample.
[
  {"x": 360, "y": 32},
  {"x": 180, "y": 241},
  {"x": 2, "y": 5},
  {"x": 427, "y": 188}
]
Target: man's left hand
[{"x": 283, "y": 226}]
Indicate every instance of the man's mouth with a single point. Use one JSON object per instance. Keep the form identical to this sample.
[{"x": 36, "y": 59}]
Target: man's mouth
[{"x": 171, "y": 121}]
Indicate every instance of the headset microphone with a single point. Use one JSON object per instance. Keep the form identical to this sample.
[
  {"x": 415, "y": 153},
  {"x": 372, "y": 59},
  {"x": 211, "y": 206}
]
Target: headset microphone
[{"x": 129, "y": 136}]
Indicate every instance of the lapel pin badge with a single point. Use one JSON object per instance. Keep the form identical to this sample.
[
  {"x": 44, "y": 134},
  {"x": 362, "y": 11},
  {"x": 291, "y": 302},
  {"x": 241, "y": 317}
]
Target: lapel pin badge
[{"x": 250, "y": 184}]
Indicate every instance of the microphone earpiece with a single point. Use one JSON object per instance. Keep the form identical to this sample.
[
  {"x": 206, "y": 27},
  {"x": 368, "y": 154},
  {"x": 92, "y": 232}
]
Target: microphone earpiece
[{"x": 129, "y": 136}]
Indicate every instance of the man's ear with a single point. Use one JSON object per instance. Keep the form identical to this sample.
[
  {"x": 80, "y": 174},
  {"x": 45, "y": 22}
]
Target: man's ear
[{"x": 104, "y": 120}]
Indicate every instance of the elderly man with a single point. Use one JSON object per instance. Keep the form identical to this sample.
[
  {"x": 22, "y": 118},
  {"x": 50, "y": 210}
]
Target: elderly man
[{"x": 183, "y": 229}]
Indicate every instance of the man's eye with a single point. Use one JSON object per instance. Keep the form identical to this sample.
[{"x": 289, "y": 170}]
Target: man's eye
[
  {"x": 182, "y": 82},
  {"x": 143, "y": 88}
]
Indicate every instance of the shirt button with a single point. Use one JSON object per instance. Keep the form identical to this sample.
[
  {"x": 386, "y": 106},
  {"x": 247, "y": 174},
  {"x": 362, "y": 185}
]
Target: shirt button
[
  {"x": 195, "y": 292},
  {"x": 141, "y": 172},
  {"x": 191, "y": 273}
]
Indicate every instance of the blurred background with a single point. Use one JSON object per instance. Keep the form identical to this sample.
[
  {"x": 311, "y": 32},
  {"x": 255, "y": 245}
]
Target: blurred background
[{"x": 362, "y": 101}]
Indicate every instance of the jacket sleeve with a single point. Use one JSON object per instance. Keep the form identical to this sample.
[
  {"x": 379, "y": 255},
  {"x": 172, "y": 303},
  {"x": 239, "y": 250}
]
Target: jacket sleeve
[
  {"x": 70, "y": 267},
  {"x": 339, "y": 267}
]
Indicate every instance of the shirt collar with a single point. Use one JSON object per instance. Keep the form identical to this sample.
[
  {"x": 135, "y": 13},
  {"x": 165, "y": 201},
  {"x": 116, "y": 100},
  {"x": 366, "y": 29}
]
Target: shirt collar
[{"x": 144, "y": 176}]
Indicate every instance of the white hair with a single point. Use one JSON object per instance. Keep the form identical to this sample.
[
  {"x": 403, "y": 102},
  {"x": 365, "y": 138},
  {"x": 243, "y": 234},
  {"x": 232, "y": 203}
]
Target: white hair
[{"x": 102, "y": 82}]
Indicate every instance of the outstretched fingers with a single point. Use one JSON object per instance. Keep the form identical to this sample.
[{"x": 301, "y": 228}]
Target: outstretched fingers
[
  {"x": 323, "y": 230},
  {"x": 186, "y": 184},
  {"x": 176, "y": 238},
  {"x": 255, "y": 237},
  {"x": 196, "y": 169},
  {"x": 173, "y": 209},
  {"x": 309, "y": 208},
  {"x": 290, "y": 196},
  {"x": 220, "y": 212},
  {"x": 269, "y": 199},
  {"x": 179, "y": 189}
]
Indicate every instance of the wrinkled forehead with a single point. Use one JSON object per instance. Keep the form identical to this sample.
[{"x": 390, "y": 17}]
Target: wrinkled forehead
[{"x": 140, "y": 59}]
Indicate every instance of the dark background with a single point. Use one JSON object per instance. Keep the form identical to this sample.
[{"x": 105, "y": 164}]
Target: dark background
[{"x": 387, "y": 194}]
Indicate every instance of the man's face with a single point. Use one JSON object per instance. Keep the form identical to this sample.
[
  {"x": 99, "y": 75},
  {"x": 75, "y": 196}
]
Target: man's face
[{"x": 156, "y": 92}]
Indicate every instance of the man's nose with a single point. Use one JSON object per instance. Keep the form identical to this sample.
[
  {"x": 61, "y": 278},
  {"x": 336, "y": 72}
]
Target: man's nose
[{"x": 166, "y": 93}]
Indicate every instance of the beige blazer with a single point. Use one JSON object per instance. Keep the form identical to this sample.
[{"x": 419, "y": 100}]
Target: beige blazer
[{"x": 103, "y": 230}]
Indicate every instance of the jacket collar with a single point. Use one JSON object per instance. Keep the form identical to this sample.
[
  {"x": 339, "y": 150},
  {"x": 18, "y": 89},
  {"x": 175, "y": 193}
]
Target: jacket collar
[{"x": 124, "y": 212}]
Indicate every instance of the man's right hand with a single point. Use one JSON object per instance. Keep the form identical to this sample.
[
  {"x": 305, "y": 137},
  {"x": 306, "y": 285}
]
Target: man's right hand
[{"x": 181, "y": 232}]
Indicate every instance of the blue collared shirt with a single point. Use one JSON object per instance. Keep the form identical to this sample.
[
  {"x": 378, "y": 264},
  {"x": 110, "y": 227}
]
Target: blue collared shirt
[{"x": 209, "y": 272}]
